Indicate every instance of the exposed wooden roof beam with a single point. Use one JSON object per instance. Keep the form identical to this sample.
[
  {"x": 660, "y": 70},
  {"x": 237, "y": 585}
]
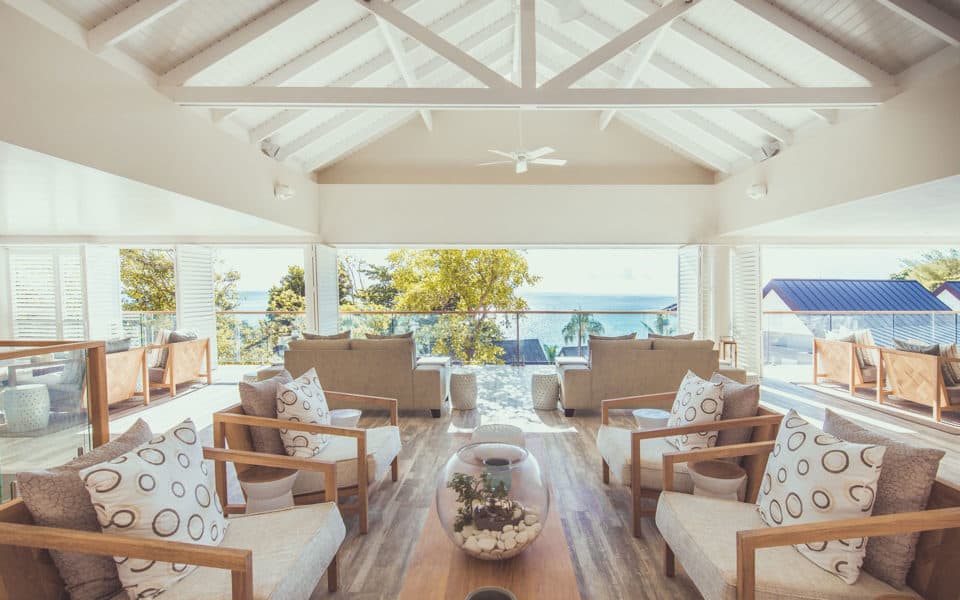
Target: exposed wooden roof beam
[
  {"x": 564, "y": 99},
  {"x": 128, "y": 21},
  {"x": 695, "y": 35},
  {"x": 436, "y": 43},
  {"x": 928, "y": 17},
  {"x": 403, "y": 65},
  {"x": 640, "y": 59},
  {"x": 817, "y": 41},
  {"x": 528, "y": 44},
  {"x": 659, "y": 19},
  {"x": 220, "y": 50}
]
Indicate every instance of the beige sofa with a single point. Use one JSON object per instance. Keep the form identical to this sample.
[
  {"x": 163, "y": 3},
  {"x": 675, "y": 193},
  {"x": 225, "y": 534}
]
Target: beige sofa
[
  {"x": 619, "y": 368},
  {"x": 387, "y": 368}
]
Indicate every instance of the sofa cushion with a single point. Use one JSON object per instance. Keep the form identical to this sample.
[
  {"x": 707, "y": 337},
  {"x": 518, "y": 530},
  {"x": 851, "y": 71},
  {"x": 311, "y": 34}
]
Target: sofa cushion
[
  {"x": 812, "y": 477},
  {"x": 681, "y": 336},
  {"x": 399, "y": 336},
  {"x": 57, "y": 498},
  {"x": 343, "y": 335},
  {"x": 157, "y": 357},
  {"x": 175, "y": 337},
  {"x": 288, "y": 564},
  {"x": 702, "y": 532},
  {"x": 626, "y": 336},
  {"x": 698, "y": 402},
  {"x": 302, "y": 400},
  {"x": 161, "y": 490},
  {"x": 869, "y": 374},
  {"x": 866, "y": 357},
  {"x": 383, "y": 445},
  {"x": 259, "y": 399},
  {"x": 904, "y": 486},
  {"x": 740, "y": 401},
  {"x": 949, "y": 351},
  {"x": 613, "y": 444},
  {"x": 118, "y": 344},
  {"x": 672, "y": 344},
  {"x": 337, "y": 344},
  {"x": 933, "y": 350}
]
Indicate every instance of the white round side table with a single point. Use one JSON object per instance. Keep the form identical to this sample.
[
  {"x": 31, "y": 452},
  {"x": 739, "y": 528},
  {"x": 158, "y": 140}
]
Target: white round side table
[
  {"x": 546, "y": 391},
  {"x": 264, "y": 490},
  {"x": 651, "y": 418},
  {"x": 717, "y": 479},
  {"x": 463, "y": 390},
  {"x": 345, "y": 417},
  {"x": 26, "y": 407}
]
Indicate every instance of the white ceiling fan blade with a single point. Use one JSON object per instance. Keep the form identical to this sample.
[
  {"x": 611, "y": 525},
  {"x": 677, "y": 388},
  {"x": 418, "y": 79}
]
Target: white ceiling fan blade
[
  {"x": 553, "y": 162},
  {"x": 540, "y": 152},
  {"x": 509, "y": 155},
  {"x": 496, "y": 162},
  {"x": 521, "y": 166}
]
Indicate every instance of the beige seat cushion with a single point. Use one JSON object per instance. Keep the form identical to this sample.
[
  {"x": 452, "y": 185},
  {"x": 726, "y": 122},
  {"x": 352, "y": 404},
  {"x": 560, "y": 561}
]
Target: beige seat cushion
[
  {"x": 703, "y": 535},
  {"x": 613, "y": 443},
  {"x": 869, "y": 374},
  {"x": 383, "y": 445},
  {"x": 287, "y": 564}
]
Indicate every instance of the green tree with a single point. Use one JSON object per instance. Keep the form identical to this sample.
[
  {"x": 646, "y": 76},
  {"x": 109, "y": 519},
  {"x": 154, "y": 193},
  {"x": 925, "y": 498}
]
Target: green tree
[
  {"x": 147, "y": 279},
  {"x": 480, "y": 281},
  {"x": 590, "y": 326},
  {"x": 932, "y": 268},
  {"x": 381, "y": 291}
]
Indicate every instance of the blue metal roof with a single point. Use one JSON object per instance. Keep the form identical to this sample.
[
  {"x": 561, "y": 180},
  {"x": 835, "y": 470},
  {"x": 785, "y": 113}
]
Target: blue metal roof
[
  {"x": 854, "y": 294},
  {"x": 950, "y": 286}
]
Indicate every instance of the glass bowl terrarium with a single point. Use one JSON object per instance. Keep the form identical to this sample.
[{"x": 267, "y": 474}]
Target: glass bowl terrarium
[{"x": 492, "y": 499}]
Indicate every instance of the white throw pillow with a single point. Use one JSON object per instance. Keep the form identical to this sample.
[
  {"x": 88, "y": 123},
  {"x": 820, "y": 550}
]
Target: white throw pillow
[
  {"x": 811, "y": 477},
  {"x": 160, "y": 490},
  {"x": 303, "y": 400},
  {"x": 697, "y": 401}
]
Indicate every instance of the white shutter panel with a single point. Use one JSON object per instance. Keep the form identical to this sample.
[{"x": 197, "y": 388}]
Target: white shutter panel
[
  {"x": 33, "y": 290},
  {"x": 195, "y": 296},
  {"x": 72, "y": 309},
  {"x": 327, "y": 291},
  {"x": 101, "y": 269},
  {"x": 705, "y": 307},
  {"x": 693, "y": 297},
  {"x": 745, "y": 276}
]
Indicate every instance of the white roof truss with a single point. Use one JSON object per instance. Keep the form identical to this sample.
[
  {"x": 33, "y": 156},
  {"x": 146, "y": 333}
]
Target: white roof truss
[
  {"x": 128, "y": 21},
  {"x": 640, "y": 59},
  {"x": 526, "y": 39},
  {"x": 399, "y": 54},
  {"x": 928, "y": 17}
]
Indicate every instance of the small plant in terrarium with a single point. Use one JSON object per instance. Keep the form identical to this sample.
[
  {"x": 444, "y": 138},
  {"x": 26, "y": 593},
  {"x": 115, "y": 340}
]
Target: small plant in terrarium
[{"x": 483, "y": 502}]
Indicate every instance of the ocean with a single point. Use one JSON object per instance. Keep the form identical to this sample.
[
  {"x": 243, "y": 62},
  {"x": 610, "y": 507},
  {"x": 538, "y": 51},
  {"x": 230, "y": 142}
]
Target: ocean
[{"x": 547, "y": 328}]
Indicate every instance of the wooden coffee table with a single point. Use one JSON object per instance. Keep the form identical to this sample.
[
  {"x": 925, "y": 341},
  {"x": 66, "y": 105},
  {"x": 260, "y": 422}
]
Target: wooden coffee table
[{"x": 438, "y": 570}]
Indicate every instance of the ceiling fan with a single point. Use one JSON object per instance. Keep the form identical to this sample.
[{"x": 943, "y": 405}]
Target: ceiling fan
[{"x": 522, "y": 159}]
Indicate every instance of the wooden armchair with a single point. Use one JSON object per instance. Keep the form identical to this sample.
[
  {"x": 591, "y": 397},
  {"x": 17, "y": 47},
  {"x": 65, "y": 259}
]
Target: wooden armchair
[
  {"x": 231, "y": 428},
  {"x": 934, "y": 575},
  {"x": 836, "y": 360},
  {"x": 640, "y": 451},
  {"x": 918, "y": 378},
  {"x": 184, "y": 363},
  {"x": 123, "y": 370},
  {"x": 27, "y": 571}
]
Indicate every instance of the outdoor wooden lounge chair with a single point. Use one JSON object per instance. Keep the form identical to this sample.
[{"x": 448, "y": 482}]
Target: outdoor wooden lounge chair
[
  {"x": 124, "y": 369},
  {"x": 186, "y": 361},
  {"x": 918, "y": 378},
  {"x": 836, "y": 360},
  {"x": 380, "y": 446},
  {"x": 303, "y": 542},
  {"x": 696, "y": 528},
  {"x": 636, "y": 455}
]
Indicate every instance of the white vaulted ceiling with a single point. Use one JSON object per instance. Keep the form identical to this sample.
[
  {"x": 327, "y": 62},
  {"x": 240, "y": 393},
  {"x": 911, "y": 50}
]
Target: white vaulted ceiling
[{"x": 339, "y": 43}]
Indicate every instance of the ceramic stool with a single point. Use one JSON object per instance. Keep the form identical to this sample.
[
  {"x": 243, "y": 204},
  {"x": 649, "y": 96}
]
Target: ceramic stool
[
  {"x": 717, "y": 479},
  {"x": 463, "y": 391},
  {"x": 268, "y": 488},
  {"x": 546, "y": 391},
  {"x": 345, "y": 417},
  {"x": 651, "y": 418},
  {"x": 26, "y": 407}
]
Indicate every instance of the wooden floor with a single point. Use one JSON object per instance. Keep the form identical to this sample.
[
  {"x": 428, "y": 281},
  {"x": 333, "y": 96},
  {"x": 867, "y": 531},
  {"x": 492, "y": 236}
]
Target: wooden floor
[{"x": 608, "y": 561}]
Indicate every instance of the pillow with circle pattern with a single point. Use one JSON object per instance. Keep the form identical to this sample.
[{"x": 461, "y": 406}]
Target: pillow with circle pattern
[
  {"x": 303, "y": 400},
  {"x": 811, "y": 477},
  {"x": 160, "y": 490},
  {"x": 697, "y": 401}
]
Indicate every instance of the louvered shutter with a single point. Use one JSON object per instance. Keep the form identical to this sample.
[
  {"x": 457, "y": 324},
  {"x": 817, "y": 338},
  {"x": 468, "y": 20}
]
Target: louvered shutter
[
  {"x": 327, "y": 290},
  {"x": 745, "y": 280},
  {"x": 694, "y": 289},
  {"x": 72, "y": 307},
  {"x": 195, "y": 294},
  {"x": 46, "y": 293},
  {"x": 101, "y": 270}
]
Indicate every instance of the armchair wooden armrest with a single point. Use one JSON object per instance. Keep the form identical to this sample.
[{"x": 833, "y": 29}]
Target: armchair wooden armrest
[
  {"x": 749, "y": 541},
  {"x": 732, "y": 451},
  {"x": 246, "y": 457},
  {"x": 238, "y": 561},
  {"x": 741, "y": 423},
  {"x": 390, "y": 404},
  {"x": 645, "y": 401},
  {"x": 271, "y": 423}
]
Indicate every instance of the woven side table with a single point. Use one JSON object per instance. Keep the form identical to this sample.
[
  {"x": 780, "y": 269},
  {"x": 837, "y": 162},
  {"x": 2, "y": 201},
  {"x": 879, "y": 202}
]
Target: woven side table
[
  {"x": 546, "y": 391},
  {"x": 463, "y": 391},
  {"x": 27, "y": 407}
]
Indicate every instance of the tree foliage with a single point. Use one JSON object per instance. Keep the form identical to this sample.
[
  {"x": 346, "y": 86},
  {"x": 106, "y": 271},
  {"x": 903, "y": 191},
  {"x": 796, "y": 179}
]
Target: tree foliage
[
  {"x": 932, "y": 268},
  {"x": 590, "y": 326},
  {"x": 147, "y": 279}
]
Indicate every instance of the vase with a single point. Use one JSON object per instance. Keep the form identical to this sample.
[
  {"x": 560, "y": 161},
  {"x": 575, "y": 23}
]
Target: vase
[{"x": 492, "y": 500}]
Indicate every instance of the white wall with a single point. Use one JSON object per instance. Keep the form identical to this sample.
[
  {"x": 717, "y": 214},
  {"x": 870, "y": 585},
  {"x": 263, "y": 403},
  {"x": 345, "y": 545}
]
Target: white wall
[
  {"x": 949, "y": 299},
  {"x": 525, "y": 215},
  {"x": 61, "y": 100}
]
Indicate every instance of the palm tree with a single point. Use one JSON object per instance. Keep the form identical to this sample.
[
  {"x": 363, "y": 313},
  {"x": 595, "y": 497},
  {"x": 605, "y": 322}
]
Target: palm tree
[{"x": 581, "y": 322}]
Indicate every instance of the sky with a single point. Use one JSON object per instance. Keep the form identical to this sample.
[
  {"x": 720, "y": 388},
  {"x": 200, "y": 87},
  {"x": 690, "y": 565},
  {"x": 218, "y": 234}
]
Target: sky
[
  {"x": 260, "y": 268},
  {"x": 814, "y": 262}
]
